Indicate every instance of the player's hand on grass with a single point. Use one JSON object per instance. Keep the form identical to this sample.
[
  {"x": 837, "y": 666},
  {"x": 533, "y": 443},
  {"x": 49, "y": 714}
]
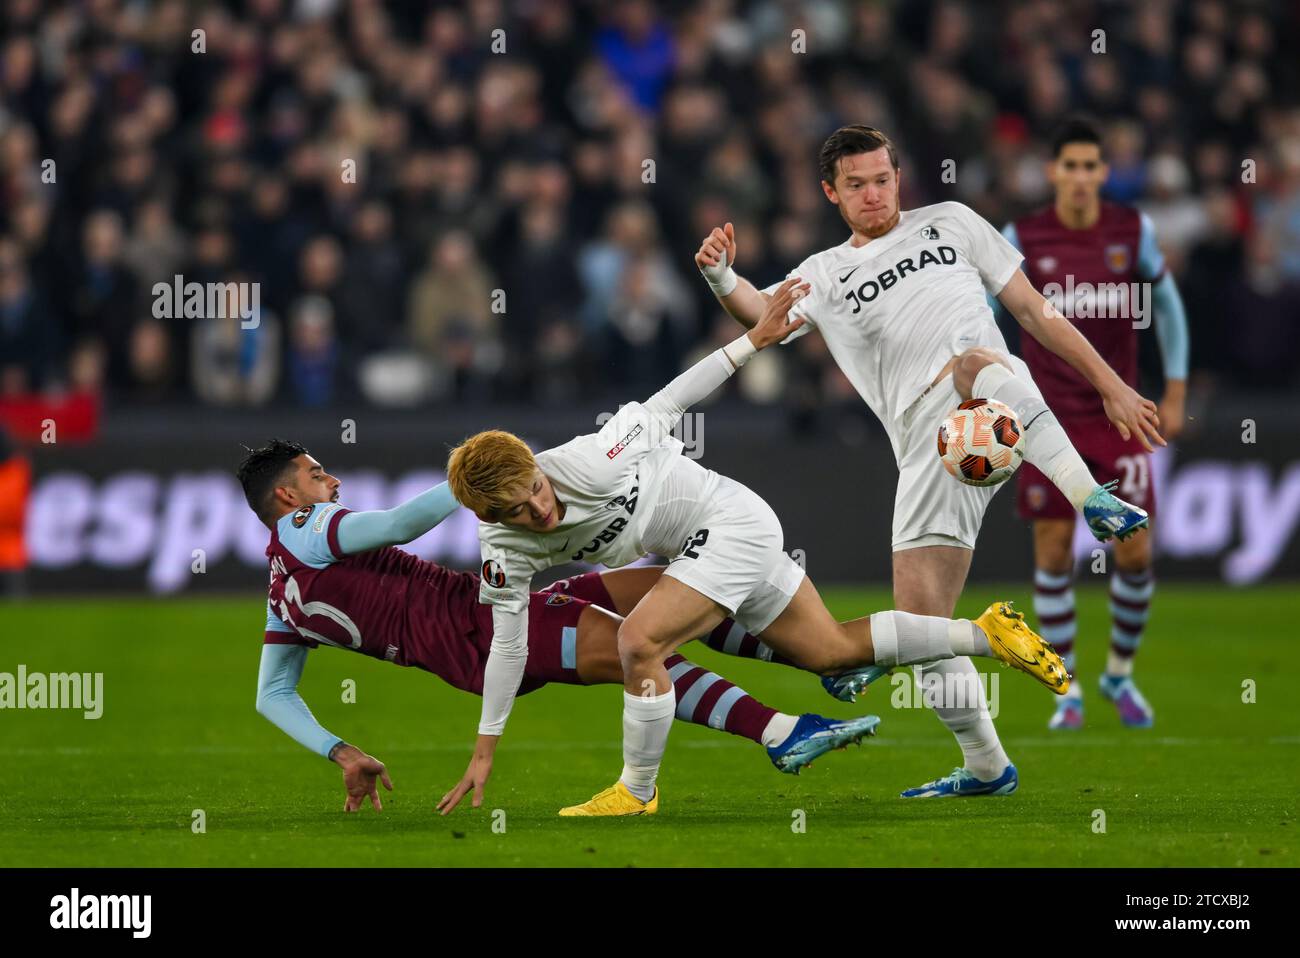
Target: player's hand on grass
[
  {"x": 721, "y": 242},
  {"x": 476, "y": 776},
  {"x": 360, "y": 773},
  {"x": 1133, "y": 415},
  {"x": 775, "y": 325}
]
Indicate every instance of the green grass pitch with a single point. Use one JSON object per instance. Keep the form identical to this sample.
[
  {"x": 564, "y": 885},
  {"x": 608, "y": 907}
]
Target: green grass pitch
[{"x": 1214, "y": 783}]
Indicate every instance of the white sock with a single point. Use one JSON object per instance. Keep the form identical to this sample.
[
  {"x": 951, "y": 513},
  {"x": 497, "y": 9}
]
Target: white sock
[
  {"x": 981, "y": 750},
  {"x": 967, "y": 638},
  {"x": 646, "y": 723},
  {"x": 778, "y": 729},
  {"x": 1119, "y": 665},
  {"x": 903, "y": 638},
  {"x": 1046, "y": 444}
]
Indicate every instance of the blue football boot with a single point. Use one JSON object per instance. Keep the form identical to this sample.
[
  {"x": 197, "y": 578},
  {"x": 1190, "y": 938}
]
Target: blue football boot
[
  {"x": 962, "y": 784},
  {"x": 1107, "y": 515},
  {"x": 1134, "y": 710},
  {"x": 847, "y": 686},
  {"x": 814, "y": 736}
]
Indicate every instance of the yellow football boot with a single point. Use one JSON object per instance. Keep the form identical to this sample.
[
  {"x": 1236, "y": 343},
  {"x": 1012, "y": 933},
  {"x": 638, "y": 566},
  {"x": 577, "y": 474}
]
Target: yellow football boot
[
  {"x": 1021, "y": 647},
  {"x": 616, "y": 800}
]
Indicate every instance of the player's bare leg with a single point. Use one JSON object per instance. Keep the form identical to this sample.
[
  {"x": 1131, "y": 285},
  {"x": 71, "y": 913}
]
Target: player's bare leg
[
  {"x": 1131, "y": 588},
  {"x": 990, "y": 374},
  {"x": 1054, "y": 607},
  {"x": 928, "y": 580},
  {"x": 807, "y": 635},
  {"x": 717, "y": 703},
  {"x": 628, "y": 586},
  {"x": 668, "y": 615},
  {"x": 805, "y": 632}
]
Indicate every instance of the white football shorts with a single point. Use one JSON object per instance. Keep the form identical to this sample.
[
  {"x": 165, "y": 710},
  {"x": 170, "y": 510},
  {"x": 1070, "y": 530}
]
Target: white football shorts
[
  {"x": 930, "y": 506},
  {"x": 735, "y": 555}
]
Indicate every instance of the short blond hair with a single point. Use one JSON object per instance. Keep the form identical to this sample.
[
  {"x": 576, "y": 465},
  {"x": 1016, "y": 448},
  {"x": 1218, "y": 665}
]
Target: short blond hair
[{"x": 485, "y": 469}]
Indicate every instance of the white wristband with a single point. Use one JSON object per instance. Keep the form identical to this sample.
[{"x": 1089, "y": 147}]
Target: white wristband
[
  {"x": 739, "y": 350},
  {"x": 722, "y": 279}
]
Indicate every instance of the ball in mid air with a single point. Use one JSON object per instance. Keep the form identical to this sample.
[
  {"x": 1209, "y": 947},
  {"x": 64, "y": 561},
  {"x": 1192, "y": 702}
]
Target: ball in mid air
[{"x": 981, "y": 442}]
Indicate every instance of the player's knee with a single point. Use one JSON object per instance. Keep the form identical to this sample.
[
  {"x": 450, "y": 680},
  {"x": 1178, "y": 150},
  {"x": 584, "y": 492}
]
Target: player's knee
[
  {"x": 1054, "y": 558},
  {"x": 635, "y": 645},
  {"x": 1133, "y": 556},
  {"x": 1137, "y": 562},
  {"x": 969, "y": 365}
]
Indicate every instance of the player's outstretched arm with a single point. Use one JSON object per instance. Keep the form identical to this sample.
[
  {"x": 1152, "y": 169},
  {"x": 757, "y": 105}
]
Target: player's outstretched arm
[
  {"x": 667, "y": 406},
  {"x": 278, "y": 700},
  {"x": 738, "y": 296},
  {"x": 362, "y": 531},
  {"x": 501, "y": 677},
  {"x": 1131, "y": 413}
]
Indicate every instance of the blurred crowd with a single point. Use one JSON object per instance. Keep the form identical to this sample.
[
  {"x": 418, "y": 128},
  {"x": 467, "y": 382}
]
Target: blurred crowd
[{"x": 500, "y": 201}]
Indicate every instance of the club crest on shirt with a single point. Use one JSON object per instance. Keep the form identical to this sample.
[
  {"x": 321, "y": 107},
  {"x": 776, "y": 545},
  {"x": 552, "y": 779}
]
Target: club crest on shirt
[
  {"x": 558, "y": 598},
  {"x": 1037, "y": 497},
  {"x": 493, "y": 574},
  {"x": 930, "y": 232},
  {"x": 301, "y": 516},
  {"x": 1117, "y": 257},
  {"x": 1047, "y": 264}
]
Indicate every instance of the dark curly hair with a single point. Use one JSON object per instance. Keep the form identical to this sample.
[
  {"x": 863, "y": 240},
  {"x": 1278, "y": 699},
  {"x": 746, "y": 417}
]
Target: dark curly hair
[{"x": 262, "y": 470}]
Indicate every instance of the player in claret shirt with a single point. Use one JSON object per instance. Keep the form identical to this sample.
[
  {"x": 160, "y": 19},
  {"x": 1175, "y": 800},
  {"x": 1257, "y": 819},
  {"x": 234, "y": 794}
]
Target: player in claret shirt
[
  {"x": 338, "y": 580},
  {"x": 1094, "y": 259}
]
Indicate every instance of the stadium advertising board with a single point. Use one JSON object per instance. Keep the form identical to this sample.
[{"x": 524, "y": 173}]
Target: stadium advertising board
[{"x": 169, "y": 517}]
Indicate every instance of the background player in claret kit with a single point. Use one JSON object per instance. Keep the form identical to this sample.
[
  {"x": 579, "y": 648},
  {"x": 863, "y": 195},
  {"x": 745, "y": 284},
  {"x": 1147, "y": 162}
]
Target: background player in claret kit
[
  {"x": 613, "y": 496},
  {"x": 337, "y": 579},
  {"x": 901, "y": 305},
  {"x": 1082, "y": 242}
]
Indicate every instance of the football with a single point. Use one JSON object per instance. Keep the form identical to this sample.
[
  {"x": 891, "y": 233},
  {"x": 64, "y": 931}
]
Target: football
[{"x": 981, "y": 442}]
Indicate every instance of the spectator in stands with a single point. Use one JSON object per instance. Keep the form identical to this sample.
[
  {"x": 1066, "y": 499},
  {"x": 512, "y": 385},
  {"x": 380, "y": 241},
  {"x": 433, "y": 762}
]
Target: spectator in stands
[
  {"x": 235, "y": 362},
  {"x": 232, "y": 160},
  {"x": 313, "y": 352},
  {"x": 153, "y": 367},
  {"x": 103, "y": 297},
  {"x": 451, "y": 318},
  {"x": 29, "y": 338},
  {"x": 157, "y": 247}
]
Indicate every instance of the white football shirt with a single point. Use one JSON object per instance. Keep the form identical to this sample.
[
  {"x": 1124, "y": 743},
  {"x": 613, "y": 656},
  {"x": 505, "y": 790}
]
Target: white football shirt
[
  {"x": 893, "y": 312},
  {"x": 609, "y": 482}
]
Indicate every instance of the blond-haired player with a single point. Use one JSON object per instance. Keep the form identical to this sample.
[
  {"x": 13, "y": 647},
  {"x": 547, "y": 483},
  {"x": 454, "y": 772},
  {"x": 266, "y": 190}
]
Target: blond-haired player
[{"x": 626, "y": 491}]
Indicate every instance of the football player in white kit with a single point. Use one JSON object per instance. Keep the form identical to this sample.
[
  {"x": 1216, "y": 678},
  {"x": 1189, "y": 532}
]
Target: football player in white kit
[
  {"x": 901, "y": 305},
  {"x": 615, "y": 495}
]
